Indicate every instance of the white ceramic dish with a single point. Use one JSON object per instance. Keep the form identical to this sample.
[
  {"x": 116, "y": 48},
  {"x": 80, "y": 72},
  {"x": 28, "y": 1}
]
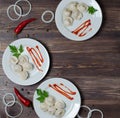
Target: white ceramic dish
[
  {"x": 96, "y": 20},
  {"x": 72, "y": 106},
  {"x": 35, "y": 75}
]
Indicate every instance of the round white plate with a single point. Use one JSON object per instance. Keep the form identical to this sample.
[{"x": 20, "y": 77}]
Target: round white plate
[
  {"x": 96, "y": 20},
  {"x": 72, "y": 106},
  {"x": 35, "y": 75}
]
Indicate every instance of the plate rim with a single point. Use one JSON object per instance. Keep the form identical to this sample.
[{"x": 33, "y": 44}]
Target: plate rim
[
  {"x": 60, "y": 78},
  {"x": 28, "y": 39},
  {"x": 77, "y": 38}
]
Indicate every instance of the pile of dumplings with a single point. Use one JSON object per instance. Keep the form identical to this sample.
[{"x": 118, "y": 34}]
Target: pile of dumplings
[
  {"x": 21, "y": 66},
  {"x": 73, "y": 11},
  {"x": 53, "y": 107}
]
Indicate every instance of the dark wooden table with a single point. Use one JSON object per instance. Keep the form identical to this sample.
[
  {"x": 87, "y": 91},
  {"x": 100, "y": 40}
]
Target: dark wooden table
[{"x": 92, "y": 65}]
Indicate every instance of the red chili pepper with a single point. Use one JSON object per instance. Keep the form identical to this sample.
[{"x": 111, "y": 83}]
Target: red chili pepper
[
  {"x": 24, "y": 100},
  {"x": 19, "y": 28}
]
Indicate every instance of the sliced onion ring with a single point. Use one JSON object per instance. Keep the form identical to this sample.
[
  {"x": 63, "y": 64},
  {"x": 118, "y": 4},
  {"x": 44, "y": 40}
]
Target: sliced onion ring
[
  {"x": 44, "y": 13},
  {"x": 8, "y": 14},
  {"x": 12, "y": 101},
  {"x": 84, "y": 106},
  {"x": 25, "y": 13},
  {"x": 95, "y": 110},
  {"x": 16, "y": 102}
]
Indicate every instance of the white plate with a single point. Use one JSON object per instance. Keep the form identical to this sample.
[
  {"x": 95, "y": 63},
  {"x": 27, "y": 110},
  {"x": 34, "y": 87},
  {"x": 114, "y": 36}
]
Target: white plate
[
  {"x": 35, "y": 75},
  {"x": 72, "y": 106},
  {"x": 96, "y": 20}
]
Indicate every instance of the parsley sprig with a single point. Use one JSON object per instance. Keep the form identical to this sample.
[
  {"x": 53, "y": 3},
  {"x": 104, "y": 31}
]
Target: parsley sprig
[
  {"x": 91, "y": 10},
  {"x": 16, "y": 51},
  {"x": 42, "y": 95}
]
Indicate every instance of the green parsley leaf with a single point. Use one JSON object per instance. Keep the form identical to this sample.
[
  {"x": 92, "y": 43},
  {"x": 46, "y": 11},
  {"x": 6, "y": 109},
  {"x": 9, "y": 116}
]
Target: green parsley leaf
[
  {"x": 39, "y": 92},
  {"x": 41, "y": 99},
  {"x": 21, "y": 49},
  {"x": 13, "y": 49},
  {"x": 45, "y": 93},
  {"x": 16, "y": 54},
  {"x": 16, "y": 51},
  {"x": 42, "y": 95},
  {"x": 91, "y": 10}
]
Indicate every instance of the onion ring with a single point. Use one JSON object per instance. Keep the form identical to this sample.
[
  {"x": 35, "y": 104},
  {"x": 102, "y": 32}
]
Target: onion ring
[
  {"x": 93, "y": 110},
  {"x": 6, "y": 103},
  {"x": 84, "y": 106},
  {"x": 9, "y": 106},
  {"x": 44, "y": 13},
  {"x": 25, "y": 13},
  {"x": 14, "y": 19}
]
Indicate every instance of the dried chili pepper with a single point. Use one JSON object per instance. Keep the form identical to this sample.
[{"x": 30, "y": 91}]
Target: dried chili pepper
[
  {"x": 24, "y": 100},
  {"x": 19, "y": 28}
]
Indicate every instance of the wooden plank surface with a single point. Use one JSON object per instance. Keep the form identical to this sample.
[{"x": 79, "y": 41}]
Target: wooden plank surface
[{"x": 92, "y": 65}]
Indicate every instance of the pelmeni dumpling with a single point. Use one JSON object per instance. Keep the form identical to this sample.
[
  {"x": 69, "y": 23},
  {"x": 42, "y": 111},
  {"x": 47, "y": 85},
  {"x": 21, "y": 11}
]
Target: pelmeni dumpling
[
  {"x": 76, "y": 15},
  {"x": 23, "y": 59},
  {"x": 44, "y": 106},
  {"x": 23, "y": 75},
  {"x": 52, "y": 110},
  {"x": 53, "y": 107},
  {"x": 66, "y": 12},
  {"x": 13, "y": 60},
  {"x": 80, "y": 15},
  {"x": 59, "y": 104},
  {"x": 73, "y": 11},
  {"x": 27, "y": 66},
  {"x": 72, "y": 6},
  {"x": 82, "y": 7},
  {"x": 68, "y": 21},
  {"x": 50, "y": 101},
  {"x": 59, "y": 113},
  {"x": 17, "y": 68}
]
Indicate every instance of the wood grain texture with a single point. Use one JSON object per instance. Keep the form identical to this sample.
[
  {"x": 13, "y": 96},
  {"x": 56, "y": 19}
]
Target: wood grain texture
[{"x": 92, "y": 65}]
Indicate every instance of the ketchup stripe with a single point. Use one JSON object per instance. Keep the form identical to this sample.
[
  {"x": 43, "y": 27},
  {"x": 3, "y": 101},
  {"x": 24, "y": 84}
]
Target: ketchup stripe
[
  {"x": 38, "y": 60},
  {"x": 71, "y": 92},
  {"x": 61, "y": 92},
  {"x": 41, "y": 57},
  {"x": 33, "y": 58},
  {"x": 31, "y": 50},
  {"x": 80, "y": 31}
]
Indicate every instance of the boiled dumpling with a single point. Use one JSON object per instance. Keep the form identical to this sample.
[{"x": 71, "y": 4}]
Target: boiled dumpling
[
  {"x": 50, "y": 101},
  {"x": 53, "y": 107},
  {"x": 23, "y": 59},
  {"x": 59, "y": 112},
  {"x": 72, "y": 6},
  {"x": 66, "y": 12},
  {"x": 68, "y": 21},
  {"x": 76, "y": 15},
  {"x": 52, "y": 110},
  {"x": 73, "y": 11},
  {"x": 44, "y": 106},
  {"x": 79, "y": 16},
  {"x": 23, "y": 75},
  {"x": 82, "y": 7},
  {"x": 13, "y": 60},
  {"x": 17, "y": 68},
  {"x": 27, "y": 66},
  {"x": 59, "y": 104}
]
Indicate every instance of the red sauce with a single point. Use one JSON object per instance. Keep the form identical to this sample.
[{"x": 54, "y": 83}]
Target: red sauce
[
  {"x": 82, "y": 29},
  {"x": 62, "y": 91},
  {"x": 41, "y": 57},
  {"x": 36, "y": 56},
  {"x": 70, "y": 92}
]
